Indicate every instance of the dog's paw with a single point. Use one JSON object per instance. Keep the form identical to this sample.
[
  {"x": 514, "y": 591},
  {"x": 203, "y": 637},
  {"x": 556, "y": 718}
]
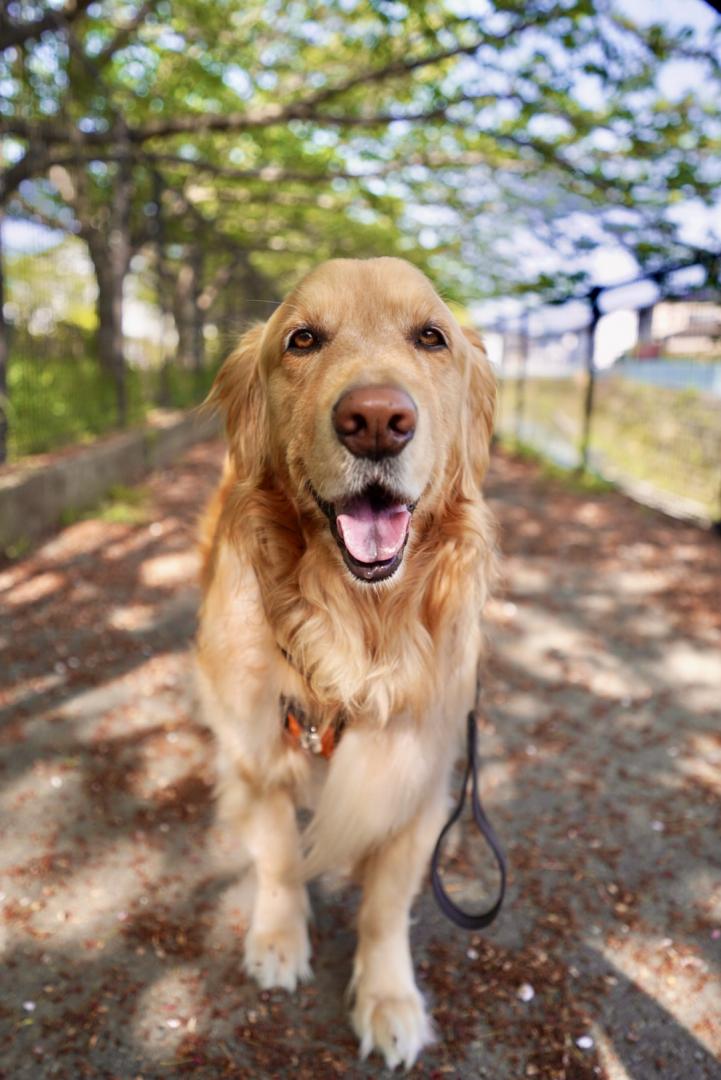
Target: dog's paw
[
  {"x": 397, "y": 1026},
  {"x": 280, "y": 957}
]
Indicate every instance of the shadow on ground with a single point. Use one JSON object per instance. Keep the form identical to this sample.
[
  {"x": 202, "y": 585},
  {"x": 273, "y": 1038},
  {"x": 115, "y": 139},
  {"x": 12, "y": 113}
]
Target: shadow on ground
[{"x": 122, "y": 928}]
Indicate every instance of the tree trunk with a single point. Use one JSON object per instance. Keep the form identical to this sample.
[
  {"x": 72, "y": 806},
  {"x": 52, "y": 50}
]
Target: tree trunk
[
  {"x": 109, "y": 306},
  {"x": 189, "y": 314},
  {"x": 111, "y": 258},
  {"x": 198, "y": 316},
  {"x": 4, "y": 358}
]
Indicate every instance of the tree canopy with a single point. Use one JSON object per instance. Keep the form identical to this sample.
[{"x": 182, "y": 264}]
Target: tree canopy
[{"x": 496, "y": 143}]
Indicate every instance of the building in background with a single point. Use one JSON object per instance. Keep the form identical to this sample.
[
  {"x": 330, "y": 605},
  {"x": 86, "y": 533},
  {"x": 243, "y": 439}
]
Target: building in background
[{"x": 680, "y": 328}]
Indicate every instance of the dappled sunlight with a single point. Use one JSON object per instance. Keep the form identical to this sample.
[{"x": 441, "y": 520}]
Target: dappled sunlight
[
  {"x": 140, "y": 539},
  {"x": 610, "y": 1060},
  {"x": 637, "y": 582},
  {"x": 548, "y": 641},
  {"x": 526, "y": 578},
  {"x": 34, "y": 589},
  {"x": 590, "y": 513},
  {"x": 87, "y": 904},
  {"x": 132, "y": 617},
  {"x": 83, "y": 539},
  {"x": 694, "y": 665},
  {"x": 37, "y": 685},
  {"x": 176, "y": 568},
  {"x": 701, "y": 760},
  {"x": 169, "y": 1010},
  {"x": 125, "y": 907},
  {"x": 674, "y": 974}
]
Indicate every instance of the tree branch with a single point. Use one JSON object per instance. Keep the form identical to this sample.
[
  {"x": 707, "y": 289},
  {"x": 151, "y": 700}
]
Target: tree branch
[
  {"x": 53, "y": 134},
  {"x": 124, "y": 33},
  {"x": 12, "y": 33}
]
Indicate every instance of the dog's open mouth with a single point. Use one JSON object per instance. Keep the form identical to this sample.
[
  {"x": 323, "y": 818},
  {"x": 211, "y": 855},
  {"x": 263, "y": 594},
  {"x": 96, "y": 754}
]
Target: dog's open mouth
[{"x": 371, "y": 531}]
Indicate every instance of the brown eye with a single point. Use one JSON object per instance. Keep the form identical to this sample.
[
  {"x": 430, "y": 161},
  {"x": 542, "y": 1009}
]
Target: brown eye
[
  {"x": 430, "y": 337},
  {"x": 303, "y": 340}
]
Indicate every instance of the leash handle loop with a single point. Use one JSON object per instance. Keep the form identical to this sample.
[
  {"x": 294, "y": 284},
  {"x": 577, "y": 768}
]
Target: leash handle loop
[{"x": 466, "y": 920}]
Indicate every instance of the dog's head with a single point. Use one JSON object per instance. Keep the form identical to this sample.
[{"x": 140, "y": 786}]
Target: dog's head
[{"x": 367, "y": 402}]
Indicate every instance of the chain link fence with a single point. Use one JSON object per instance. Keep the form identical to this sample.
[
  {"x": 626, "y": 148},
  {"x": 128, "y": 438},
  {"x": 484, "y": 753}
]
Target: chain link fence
[{"x": 633, "y": 396}]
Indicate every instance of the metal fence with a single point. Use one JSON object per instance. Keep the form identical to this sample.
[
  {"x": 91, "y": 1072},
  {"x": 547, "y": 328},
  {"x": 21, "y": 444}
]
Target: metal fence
[
  {"x": 625, "y": 407},
  {"x": 630, "y": 393}
]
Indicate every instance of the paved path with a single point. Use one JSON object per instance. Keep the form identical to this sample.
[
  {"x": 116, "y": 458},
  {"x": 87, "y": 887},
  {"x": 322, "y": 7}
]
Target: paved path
[{"x": 121, "y": 931}]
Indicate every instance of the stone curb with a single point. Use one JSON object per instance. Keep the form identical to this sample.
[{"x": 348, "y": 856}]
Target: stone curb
[{"x": 34, "y": 494}]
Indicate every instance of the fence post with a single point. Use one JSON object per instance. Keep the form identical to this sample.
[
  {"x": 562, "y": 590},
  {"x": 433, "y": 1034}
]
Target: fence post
[
  {"x": 593, "y": 300},
  {"x": 521, "y": 384},
  {"x": 500, "y": 379},
  {"x": 4, "y": 358}
]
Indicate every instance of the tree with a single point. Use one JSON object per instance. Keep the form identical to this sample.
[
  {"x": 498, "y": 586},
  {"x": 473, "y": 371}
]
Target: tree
[{"x": 288, "y": 131}]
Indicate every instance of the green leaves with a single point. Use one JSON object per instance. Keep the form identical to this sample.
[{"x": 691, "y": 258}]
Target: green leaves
[{"x": 298, "y": 130}]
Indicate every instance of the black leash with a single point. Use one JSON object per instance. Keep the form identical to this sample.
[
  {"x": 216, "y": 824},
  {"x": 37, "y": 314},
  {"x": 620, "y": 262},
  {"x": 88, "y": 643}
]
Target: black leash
[{"x": 465, "y": 919}]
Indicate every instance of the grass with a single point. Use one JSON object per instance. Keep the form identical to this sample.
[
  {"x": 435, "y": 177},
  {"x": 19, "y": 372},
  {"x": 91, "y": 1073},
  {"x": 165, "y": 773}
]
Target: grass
[
  {"x": 121, "y": 506},
  {"x": 588, "y": 482},
  {"x": 668, "y": 439},
  {"x": 54, "y": 402}
]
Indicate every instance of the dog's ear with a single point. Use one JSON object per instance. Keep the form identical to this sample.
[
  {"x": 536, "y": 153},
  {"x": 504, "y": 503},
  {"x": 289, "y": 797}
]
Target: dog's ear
[
  {"x": 239, "y": 395},
  {"x": 479, "y": 411}
]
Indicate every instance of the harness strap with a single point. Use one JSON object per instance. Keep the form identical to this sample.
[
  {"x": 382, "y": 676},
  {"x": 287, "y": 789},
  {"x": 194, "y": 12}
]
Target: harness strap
[{"x": 465, "y": 919}]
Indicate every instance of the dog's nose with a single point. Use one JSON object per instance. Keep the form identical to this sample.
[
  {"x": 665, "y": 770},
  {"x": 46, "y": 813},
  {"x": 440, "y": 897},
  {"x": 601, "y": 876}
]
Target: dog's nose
[{"x": 375, "y": 421}]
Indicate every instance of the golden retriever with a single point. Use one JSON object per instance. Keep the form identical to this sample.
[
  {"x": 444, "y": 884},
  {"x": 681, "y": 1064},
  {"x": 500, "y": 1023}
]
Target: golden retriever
[{"x": 347, "y": 556}]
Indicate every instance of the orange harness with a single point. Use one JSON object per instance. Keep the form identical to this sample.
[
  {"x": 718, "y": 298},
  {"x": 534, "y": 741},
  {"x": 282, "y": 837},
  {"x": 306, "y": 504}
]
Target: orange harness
[{"x": 305, "y": 735}]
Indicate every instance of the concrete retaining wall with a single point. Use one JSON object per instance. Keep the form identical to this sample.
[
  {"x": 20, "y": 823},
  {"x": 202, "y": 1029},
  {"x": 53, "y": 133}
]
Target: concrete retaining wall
[{"x": 35, "y": 494}]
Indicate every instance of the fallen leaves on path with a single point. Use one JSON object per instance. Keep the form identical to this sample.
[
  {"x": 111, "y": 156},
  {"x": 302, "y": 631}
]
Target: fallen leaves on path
[{"x": 121, "y": 919}]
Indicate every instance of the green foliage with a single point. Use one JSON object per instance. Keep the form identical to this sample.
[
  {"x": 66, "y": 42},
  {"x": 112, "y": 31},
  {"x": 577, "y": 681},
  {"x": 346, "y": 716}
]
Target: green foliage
[
  {"x": 52, "y": 288},
  {"x": 297, "y": 131},
  {"x": 666, "y": 438},
  {"x": 589, "y": 481},
  {"x": 122, "y": 505},
  {"x": 498, "y": 146},
  {"x": 54, "y": 402}
]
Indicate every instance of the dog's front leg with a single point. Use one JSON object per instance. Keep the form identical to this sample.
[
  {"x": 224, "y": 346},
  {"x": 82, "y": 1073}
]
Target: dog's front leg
[
  {"x": 277, "y": 949},
  {"x": 389, "y": 1014}
]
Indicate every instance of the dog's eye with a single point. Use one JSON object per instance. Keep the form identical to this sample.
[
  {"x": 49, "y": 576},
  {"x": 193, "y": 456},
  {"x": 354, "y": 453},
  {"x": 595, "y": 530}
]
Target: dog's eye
[
  {"x": 430, "y": 337},
  {"x": 303, "y": 340}
]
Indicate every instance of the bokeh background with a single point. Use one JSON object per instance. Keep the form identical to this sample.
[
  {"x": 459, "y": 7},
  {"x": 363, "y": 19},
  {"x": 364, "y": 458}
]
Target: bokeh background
[{"x": 170, "y": 169}]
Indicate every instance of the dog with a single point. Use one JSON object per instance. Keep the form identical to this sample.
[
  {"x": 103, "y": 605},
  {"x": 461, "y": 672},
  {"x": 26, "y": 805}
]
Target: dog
[{"x": 347, "y": 556}]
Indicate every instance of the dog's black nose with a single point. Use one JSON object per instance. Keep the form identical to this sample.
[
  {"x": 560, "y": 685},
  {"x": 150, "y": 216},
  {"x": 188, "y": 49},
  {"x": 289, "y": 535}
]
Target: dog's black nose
[{"x": 375, "y": 421}]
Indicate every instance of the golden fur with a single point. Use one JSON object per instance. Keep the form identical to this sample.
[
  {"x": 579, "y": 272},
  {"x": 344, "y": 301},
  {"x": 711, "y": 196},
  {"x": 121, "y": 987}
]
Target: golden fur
[{"x": 282, "y": 615}]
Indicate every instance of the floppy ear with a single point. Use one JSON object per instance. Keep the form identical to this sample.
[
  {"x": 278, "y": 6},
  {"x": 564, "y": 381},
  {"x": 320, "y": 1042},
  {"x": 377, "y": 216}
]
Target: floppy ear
[
  {"x": 479, "y": 411},
  {"x": 238, "y": 393}
]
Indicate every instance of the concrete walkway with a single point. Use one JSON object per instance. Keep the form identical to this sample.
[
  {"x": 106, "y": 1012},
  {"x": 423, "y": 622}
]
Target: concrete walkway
[{"x": 121, "y": 931}]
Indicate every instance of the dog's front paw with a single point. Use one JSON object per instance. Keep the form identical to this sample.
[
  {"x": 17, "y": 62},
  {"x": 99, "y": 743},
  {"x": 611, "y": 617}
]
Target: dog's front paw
[
  {"x": 397, "y": 1026},
  {"x": 279, "y": 957}
]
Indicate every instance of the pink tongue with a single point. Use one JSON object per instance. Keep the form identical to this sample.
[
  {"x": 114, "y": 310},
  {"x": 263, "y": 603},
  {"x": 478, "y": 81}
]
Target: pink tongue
[{"x": 373, "y": 535}]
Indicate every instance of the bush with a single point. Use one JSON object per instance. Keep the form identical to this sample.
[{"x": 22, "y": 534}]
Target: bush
[{"x": 55, "y": 401}]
